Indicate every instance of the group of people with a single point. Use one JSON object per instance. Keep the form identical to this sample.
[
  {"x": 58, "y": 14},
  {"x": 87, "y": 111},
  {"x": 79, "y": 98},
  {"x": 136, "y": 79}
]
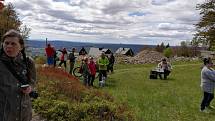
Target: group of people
[
  {"x": 89, "y": 69},
  {"x": 207, "y": 82},
  {"x": 18, "y": 77},
  {"x": 52, "y": 57}
]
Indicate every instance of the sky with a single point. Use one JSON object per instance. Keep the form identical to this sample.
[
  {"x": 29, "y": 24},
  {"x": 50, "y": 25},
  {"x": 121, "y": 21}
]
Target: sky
[{"x": 148, "y": 22}]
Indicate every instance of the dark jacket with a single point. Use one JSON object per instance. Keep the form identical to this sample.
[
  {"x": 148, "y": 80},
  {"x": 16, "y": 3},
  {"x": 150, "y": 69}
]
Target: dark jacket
[
  {"x": 72, "y": 57},
  {"x": 14, "y": 105}
]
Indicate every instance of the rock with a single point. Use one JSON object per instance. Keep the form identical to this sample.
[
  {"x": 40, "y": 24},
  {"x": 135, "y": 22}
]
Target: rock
[{"x": 143, "y": 57}]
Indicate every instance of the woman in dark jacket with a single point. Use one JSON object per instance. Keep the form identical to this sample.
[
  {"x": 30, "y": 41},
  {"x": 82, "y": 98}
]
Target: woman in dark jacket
[{"x": 15, "y": 103}]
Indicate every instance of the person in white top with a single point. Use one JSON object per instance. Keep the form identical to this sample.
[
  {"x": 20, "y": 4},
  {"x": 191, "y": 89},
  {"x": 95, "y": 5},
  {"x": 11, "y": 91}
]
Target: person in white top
[{"x": 166, "y": 67}]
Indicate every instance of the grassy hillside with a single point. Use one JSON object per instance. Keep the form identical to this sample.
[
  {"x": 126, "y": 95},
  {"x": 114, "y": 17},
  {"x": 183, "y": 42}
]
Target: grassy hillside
[
  {"x": 175, "y": 99},
  {"x": 64, "y": 98}
]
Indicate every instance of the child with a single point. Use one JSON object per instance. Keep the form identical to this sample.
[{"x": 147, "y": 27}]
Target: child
[
  {"x": 92, "y": 68},
  {"x": 86, "y": 71}
]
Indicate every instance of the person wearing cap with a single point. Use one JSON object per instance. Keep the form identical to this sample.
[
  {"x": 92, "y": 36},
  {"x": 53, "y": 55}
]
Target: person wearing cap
[
  {"x": 72, "y": 60},
  {"x": 166, "y": 67},
  {"x": 207, "y": 85}
]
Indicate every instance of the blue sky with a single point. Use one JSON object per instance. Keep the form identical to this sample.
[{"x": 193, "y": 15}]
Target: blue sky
[{"x": 110, "y": 21}]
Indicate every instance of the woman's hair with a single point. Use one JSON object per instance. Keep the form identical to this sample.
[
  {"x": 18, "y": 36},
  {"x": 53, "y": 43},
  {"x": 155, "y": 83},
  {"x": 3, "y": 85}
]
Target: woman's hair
[
  {"x": 14, "y": 33},
  {"x": 164, "y": 59},
  {"x": 206, "y": 60}
]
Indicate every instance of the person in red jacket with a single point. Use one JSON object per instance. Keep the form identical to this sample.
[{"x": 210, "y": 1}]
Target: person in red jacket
[
  {"x": 50, "y": 54},
  {"x": 63, "y": 57},
  {"x": 92, "y": 68}
]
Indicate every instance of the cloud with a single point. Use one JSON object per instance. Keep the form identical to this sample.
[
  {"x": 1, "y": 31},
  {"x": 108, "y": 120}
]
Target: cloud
[{"x": 117, "y": 21}]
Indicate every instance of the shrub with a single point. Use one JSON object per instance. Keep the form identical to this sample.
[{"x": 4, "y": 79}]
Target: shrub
[
  {"x": 64, "y": 98},
  {"x": 40, "y": 60},
  {"x": 168, "y": 52}
]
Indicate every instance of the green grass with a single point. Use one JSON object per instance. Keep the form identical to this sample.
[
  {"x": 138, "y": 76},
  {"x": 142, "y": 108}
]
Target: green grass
[{"x": 175, "y": 99}]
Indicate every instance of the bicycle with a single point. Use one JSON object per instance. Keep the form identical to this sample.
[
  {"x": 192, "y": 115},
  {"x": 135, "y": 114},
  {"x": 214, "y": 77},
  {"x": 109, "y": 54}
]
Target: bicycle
[{"x": 77, "y": 72}]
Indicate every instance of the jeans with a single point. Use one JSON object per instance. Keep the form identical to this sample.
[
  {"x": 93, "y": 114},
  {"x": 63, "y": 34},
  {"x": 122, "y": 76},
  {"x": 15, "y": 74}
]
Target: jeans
[
  {"x": 91, "y": 79},
  {"x": 102, "y": 73},
  {"x": 207, "y": 98},
  {"x": 165, "y": 73}
]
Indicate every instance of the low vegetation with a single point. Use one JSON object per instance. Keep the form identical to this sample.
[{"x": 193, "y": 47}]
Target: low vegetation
[{"x": 64, "y": 98}]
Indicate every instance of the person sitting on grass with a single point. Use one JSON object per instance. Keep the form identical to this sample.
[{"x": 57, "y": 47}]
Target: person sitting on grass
[
  {"x": 166, "y": 67},
  {"x": 207, "y": 85}
]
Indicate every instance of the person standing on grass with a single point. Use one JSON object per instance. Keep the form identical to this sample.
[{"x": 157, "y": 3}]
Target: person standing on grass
[
  {"x": 50, "y": 55},
  {"x": 207, "y": 85},
  {"x": 63, "y": 57},
  {"x": 17, "y": 79},
  {"x": 55, "y": 56},
  {"x": 86, "y": 71},
  {"x": 92, "y": 68},
  {"x": 71, "y": 60},
  {"x": 111, "y": 62},
  {"x": 103, "y": 63}
]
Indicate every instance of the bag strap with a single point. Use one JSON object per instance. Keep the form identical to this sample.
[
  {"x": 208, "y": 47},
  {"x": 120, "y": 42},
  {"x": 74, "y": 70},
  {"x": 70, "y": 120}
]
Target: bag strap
[{"x": 9, "y": 67}]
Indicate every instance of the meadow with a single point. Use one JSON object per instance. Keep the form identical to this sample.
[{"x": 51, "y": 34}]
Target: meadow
[
  {"x": 130, "y": 92},
  {"x": 175, "y": 99}
]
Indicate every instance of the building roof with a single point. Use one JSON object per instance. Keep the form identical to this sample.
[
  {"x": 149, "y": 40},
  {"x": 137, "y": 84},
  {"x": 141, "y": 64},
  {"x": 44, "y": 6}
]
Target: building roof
[
  {"x": 122, "y": 50},
  {"x": 96, "y": 52}
]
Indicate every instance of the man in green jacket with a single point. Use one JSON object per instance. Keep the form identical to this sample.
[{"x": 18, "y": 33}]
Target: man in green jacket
[{"x": 103, "y": 63}]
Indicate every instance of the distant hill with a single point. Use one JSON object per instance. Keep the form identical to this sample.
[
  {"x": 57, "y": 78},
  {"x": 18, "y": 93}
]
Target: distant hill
[{"x": 79, "y": 45}]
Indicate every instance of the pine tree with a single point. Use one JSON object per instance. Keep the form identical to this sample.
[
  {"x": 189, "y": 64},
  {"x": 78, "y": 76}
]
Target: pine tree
[{"x": 206, "y": 25}]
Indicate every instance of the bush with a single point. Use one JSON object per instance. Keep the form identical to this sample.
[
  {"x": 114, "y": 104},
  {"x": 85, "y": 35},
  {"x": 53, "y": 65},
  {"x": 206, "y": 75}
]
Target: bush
[
  {"x": 66, "y": 99},
  {"x": 40, "y": 60},
  {"x": 168, "y": 52}
]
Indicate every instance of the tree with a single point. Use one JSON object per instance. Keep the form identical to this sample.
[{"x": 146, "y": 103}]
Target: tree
[
  {"x": 168, "y": 52},
  {"x": 9, "y": 20},
  {"x": 167, "y": 46},
  {"x": 206, "y": 26},
  {"x": 195, "y": 44},
  {"x": 160, "y": 48}
]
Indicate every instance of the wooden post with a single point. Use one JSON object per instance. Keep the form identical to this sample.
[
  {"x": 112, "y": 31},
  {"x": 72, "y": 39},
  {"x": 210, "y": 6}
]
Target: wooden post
[{"x": 46, "y": 42}]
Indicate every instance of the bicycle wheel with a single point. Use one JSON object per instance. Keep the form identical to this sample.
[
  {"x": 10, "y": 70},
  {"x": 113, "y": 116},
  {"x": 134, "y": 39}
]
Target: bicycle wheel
[{"x": 76, "y": 72}]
